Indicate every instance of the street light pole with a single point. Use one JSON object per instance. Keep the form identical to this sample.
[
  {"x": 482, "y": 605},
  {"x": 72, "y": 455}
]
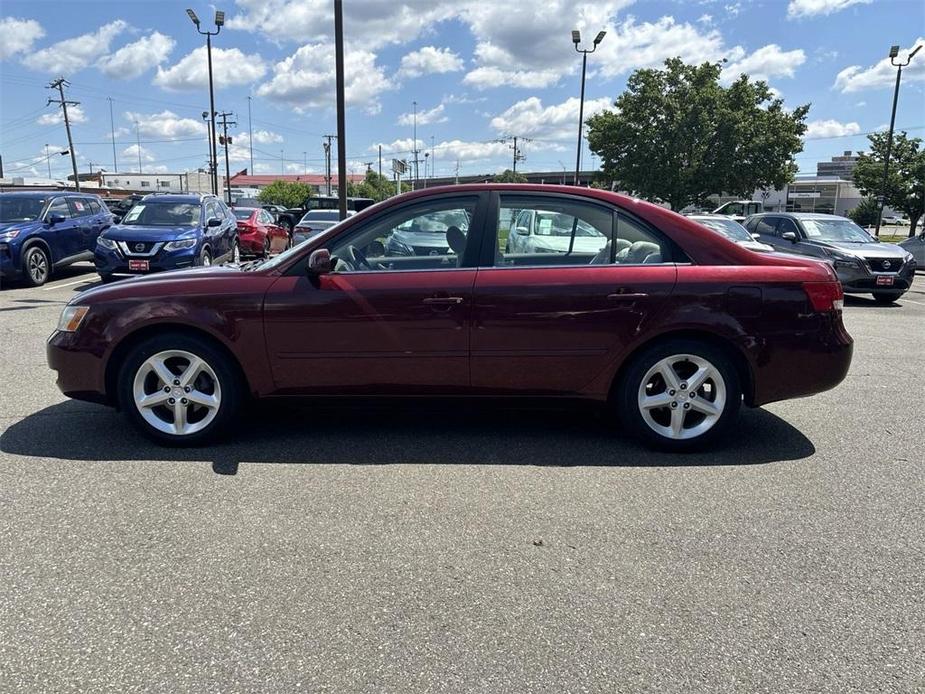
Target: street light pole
[
  {"x": 894, "y": 51},
  {"x": 219, "y": 23},
  {"x": 576, "y": 39}
]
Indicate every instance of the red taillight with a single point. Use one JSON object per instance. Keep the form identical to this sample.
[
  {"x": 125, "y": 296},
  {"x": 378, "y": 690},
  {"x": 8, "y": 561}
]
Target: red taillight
[{"x": 825, "y": 296}]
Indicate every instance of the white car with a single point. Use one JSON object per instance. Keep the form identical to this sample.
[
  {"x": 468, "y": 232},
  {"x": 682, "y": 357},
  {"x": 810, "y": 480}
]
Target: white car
[
  {"x": 314, "y": 222},
  {"x": 732, "y": 230},
  {"x": 739, "y": 210},
  {"x": 543, "y": 231},
  {"x": 916, "y": 246}
]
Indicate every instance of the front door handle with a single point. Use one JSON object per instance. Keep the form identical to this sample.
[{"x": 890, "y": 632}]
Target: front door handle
[
  {"x": 627, "y": 296},
  {"x": 443, "y": 300}
]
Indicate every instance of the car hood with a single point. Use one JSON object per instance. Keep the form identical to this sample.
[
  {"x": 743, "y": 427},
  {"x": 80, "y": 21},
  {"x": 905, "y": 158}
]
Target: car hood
[
  {"x": 135, "y": 232},
  {"x": 163, "y": 281},
  {"x": 22, "y": 226},
  {"x": 583, "y": 244},
  {"x": 865, "y": 250},
  {"x": 910, "y": 242}
]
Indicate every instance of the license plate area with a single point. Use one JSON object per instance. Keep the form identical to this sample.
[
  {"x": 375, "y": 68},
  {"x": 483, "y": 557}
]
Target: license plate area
[
  {"x": 139, "y": 265},
  {"x": 885, "y": 281}
]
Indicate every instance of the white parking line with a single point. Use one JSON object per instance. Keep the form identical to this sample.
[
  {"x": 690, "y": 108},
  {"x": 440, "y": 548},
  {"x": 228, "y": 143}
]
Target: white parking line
[
  {"x": 66, "y": 284},
  {"x": 913, "y": 301}
]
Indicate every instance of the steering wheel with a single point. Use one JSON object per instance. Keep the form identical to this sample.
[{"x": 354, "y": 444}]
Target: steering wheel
[{"x": 357, "y": 258}]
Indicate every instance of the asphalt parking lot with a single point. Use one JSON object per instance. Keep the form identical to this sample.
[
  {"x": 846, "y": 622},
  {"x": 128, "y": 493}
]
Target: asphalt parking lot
[{"x": 456, "y": 549}]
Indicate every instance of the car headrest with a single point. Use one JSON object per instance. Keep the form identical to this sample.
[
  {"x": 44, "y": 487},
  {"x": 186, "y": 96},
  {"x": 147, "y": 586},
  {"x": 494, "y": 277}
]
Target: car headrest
[{"x": 456, "y": 239}]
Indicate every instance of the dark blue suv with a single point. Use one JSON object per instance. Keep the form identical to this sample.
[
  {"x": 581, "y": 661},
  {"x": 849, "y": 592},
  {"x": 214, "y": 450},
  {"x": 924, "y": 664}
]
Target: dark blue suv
[
  {"x": 167, "y": 232},
  {"x": 41, "y": 231}
]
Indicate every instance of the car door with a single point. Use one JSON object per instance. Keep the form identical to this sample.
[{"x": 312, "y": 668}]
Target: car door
[
  {"x": 766, "y": 228},
  {"x": 785, "y": 225},
  {"x": 86, "y": 223},
  {"x": 101, "y": 220},
  {"x": 378, "y": 323},
  {"x": 64, "y": 237},
  {"x": 215, "y": 234},
  {"x": 554, "y": 323}
]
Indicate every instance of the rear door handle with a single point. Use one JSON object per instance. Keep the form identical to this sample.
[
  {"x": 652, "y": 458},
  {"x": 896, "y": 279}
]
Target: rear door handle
[
  {"x": 443, "y": 300},
  {"x": 627, "y": 296}
]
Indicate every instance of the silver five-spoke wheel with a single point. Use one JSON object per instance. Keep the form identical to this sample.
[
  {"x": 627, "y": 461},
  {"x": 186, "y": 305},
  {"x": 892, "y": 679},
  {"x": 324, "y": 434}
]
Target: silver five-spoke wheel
[
  {"x": 682, "y": 396},
  {"x": 177, "y": 392}
]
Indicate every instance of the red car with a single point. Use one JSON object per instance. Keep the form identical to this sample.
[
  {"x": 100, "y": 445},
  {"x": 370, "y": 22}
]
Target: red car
[
  {"x": 662, "y": 320},
  {"x": 258, "y": 234}
]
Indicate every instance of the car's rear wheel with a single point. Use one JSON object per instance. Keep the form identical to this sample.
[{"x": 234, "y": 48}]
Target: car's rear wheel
[
  {"x": 266, "y": 246},
  {"x": 887, "y": 298},
  {"x": 37, "y": 266},
  {"x": 236, "y": 252},
  {"x": 205, "y": 257},
  {"x": 179, "y": 389},
  {"x": 680, "y": 395}
]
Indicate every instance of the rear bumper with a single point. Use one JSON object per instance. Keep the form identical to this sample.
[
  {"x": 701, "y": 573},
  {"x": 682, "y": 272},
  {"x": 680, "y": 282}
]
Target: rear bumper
[
  {"x": 802, "y": 363},
  {"x": 251, "y": 242},
  {"x": 81, "y": 373}
]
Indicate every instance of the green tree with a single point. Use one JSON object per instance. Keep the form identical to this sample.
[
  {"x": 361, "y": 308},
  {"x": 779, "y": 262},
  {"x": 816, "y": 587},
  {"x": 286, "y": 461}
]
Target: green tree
[
  {"x": 865, "y": 214},
  {"x": 905, "y": 186},
  {"x": 508, "y": 176},
  {"x": 677, "y": 135},
  {"x": 285, "y": 193},
  {"x": 375, "y": 186}
]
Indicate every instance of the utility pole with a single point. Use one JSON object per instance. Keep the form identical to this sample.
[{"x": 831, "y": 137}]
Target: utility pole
[
  {"x": 414, "y": 143},
  {"x": 226, "y": 143},
  {"x": 369, "y": 165},
  {"x": 457, "y": 173},
  {"x": 112, "y": 129},
  {"x": 250, "y": 134},
  {"x": 341, "y": 108},
  {"x": 282, "y": 163},
  {"x": 48, "y": 159},
  {"x": 433, "y": 158},
  {"x": 380, "y": 161},
  {"x": 138, "y": 145},
  {"x": 60, "y": 84},
  {"x": 304, "y": 163},
  {"x": 327, "y": 161}
]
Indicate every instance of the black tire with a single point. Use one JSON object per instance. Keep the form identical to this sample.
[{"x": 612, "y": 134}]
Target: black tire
[
  {"x": 205, "y": 257},
  {"x": 36, "y": 266},
  {"x": 232, "y": 388},
  {"x": 887, "y": 298},
  {"x": 266, "y": 246},
  {"x": 106, "y": 279},
  {"x": 235, "y": 255},
  {"x": 627, "y": 394}
]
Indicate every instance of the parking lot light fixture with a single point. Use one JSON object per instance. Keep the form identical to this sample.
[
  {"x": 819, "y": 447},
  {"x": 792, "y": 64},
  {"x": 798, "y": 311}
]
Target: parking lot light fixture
[
  {"x": 899, "y": 65},
  {"x": 576, "y": 39},
  {"x": 219, "y": 22},
  {"x": 193, "y": 17}
]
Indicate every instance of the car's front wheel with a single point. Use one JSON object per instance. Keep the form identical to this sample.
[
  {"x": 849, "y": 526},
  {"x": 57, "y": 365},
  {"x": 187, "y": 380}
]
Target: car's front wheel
[
  {"x": 680, "y": 395},
  {"x": 887, "y": 298},
  {"x": 37, "y": 266},
  {"x": 179, "y": 389},
  {"x": 205, "y": 257}
]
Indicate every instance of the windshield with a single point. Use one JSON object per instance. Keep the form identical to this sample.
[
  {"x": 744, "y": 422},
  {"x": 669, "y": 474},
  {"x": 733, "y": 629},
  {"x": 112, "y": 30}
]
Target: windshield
[
  {"x": 163, "y": 214},
  {"x": 838, "y": 230},
  {"x": 20, "y": 208},
  {"x": 729, "y": 228},
  {"x": 243, "y": 212},
  {"x": 558, "y": 224}
]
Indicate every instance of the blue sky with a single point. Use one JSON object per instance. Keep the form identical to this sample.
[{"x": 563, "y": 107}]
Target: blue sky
[{"x": 480, "y": 71}]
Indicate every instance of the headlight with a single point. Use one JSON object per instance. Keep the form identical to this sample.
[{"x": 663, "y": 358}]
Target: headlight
[
  {"x": 106, "y": 243},
  {"x": 71, "y": 318},
  {"x": 9, "y": 234},
  {"x": 179, "y": 245}
]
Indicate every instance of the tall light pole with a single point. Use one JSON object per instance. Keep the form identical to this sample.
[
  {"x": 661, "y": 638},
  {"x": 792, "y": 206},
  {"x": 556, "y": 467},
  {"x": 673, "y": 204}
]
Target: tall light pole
[
  {"x": 576, "y": 39},
  {"x": 250, "y": 134},
  {"x": 219, "y": 23},
  {"x": 894, "y": 52},
  {"x": 341, "y": 108},
  {"x": 138, "y": 145},
  {"x": 112, "y": 130}
]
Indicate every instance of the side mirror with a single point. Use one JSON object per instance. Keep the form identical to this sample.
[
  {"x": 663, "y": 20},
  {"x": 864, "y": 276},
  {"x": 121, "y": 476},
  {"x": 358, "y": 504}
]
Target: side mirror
[
  {"x": 789, "y": 236},
  {"x": 523, "y": 231},
  {"x": 757, "y": 237},
  {"x": 214, "y": 222},
  {"x": 319, "y": 262},
  {"x": 53, "y": 219}
]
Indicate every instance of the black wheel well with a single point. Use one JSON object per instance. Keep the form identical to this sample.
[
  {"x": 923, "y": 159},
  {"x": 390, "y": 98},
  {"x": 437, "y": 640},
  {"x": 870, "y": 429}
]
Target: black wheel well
[
  {"x": 122, "y": 350},
  {"x": 734, "y": 353},
  {"x": 37, "y": 242}
]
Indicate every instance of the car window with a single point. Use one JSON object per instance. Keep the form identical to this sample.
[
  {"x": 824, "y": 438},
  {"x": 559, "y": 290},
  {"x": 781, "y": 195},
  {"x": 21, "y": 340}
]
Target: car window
[
  {"x": 212, "y": 211},
  {"x": 550, "y": 231},
  {"x": 95, "y": 207},
  {"x": 785, "y": 225},
  {"x": 767, "y": 226},
  {"x": 59, "y": 206},
  {"x": 635, "y": 244},
  {"x": 266, "y": 217},
  {"x": 243, "y": 213},
  {"x": 429, "y": 236},
  {"x": 79, "y": 207}
]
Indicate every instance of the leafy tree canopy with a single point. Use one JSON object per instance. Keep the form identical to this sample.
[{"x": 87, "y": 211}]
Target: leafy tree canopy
[
  {"x": 375, "y": 186},
  {"x": 508, "y": 176},
  {"x": 677, "y": 135},
  {"x": 905, "y": 186},
  {"x": 865, "y": 214},
  {"x": 286, "y": 193}
]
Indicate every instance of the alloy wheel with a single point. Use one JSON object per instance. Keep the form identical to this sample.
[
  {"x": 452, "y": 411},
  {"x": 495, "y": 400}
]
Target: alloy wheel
[
  {"x": 177, "y": 392},
  {"x": 682, "y": 396},
  {"x": 38, "y": 267}
]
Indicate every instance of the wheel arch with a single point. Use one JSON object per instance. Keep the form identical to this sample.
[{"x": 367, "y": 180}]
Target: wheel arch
[
  {"x": 38, "y": 241},
  {"x": 733, "y": 351},
  {"x": 122, "y": 349}
]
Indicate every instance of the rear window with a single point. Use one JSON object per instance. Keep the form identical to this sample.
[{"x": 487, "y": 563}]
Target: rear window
[
  {"x": 243, "y": 212},
  {"x": 322, "y": 215}
]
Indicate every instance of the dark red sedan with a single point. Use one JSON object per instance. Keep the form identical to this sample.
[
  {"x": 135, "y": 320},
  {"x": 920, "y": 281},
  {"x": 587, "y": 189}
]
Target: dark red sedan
[
  {"x": 669, "y": 324},
  {"x": 258, "y": 233}
]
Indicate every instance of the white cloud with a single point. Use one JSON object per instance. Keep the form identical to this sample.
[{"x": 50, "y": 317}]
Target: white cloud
[
  {"x": 705, "y": 19},
  {"x": 400, "y": 145},
  {"x": 812, "y": 8},
  {"x": 883, "y": 74},
  {"x": 305, "y": 80},
  {"x": 265, "y": 137},
  {"x": 18, "y": 35},
  {"x": 75, "y": 114},
  {"x": 230, "y": 67},
  {"x": 425, "y": 117},
  {"x": 471, "y": 151},
  {"x": 488, "y": 77},
  {"x": 830, "y": 128},
  {"x": 430, "y": 60},
  {"x": 166, "y": 125},
  {"x": 131, "y": 153},
  {"x": 134, "y": 59},
  {"x": 71, "y": 55},
  {"x": 529, "y": 118},
  {"x": 766, "y": 62}
]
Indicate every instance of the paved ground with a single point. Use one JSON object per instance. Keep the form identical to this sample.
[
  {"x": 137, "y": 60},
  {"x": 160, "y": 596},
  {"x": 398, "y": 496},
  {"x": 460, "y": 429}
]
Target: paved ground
[{"x": 454, "y": 550}]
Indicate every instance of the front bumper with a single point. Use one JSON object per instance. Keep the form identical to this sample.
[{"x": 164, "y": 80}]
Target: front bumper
[
  {"x": 109, "y": 262},
  {"x": 861, "y": 280},
  {"x": 81, "y": 372},
  {"x": 10, "y": 262}
]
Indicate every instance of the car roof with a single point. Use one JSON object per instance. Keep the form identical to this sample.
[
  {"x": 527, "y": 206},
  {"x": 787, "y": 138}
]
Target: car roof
[
  {"x": 178, "y": 197},
  {"x": 799, "y": 215},
  {"x": 711, "y": 216},
  {"x": 48, "y": 193}
]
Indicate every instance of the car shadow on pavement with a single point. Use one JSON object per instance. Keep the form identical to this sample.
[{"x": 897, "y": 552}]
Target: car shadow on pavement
[{"x": 447, "y": 433}]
